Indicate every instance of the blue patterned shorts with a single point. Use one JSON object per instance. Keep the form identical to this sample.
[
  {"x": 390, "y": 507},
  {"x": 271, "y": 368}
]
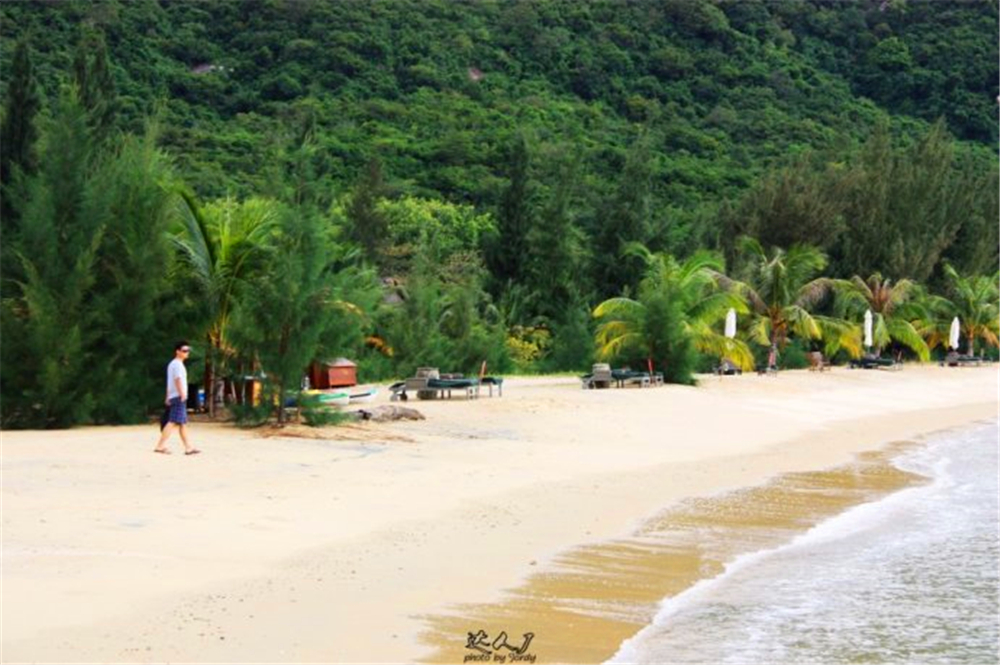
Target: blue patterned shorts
[{"x": 178, "y": 411}]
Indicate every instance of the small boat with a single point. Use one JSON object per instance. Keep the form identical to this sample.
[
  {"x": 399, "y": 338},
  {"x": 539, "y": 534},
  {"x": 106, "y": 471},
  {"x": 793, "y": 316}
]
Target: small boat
[
  {"x": 364, "y": 395},
  {"x": 329, "y": 398}
]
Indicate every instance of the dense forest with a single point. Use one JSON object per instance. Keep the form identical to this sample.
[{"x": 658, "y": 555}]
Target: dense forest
[{"x": 535, "y": 184}]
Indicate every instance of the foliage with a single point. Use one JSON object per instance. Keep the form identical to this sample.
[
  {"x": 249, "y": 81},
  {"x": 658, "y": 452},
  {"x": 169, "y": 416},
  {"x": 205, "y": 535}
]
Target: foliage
[
  {"x": 315, "y": 414},
  {"x": 283, "y": 319},
  {"x": 223, "y": 247},
  {"x": 495, "y": 163},
  {"x": 509, "y": 248},
  {"x": 136, "y": 308},
  {"x": 555, "y": 259},
  {"x": 367, "y": 225},
  {"x": 572, "y": 346},
  {"x": 436, "y": 228},
  {"x": 677, "y": 305},
  {"x": 252, "y": 415},
  {"x": 91, "y": 299},
  {"x": 45, "y": 359},
  {"x": 780, "y": 289},
  {"x": 905, "y": 207},
  {"x": 974, "y": 301},
  {"x": 892, "y": 319},
  {"x": 442, "y": 320},
  {"x": 18, "y": 133},
  {"x": 624, "y": 221},
  {"x": 792, "y": 205},
  {"x": 527, "y": 346},
  {"x": 95, "y": 84}
]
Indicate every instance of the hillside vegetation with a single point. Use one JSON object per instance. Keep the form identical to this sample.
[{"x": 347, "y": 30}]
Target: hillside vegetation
[{"x": 481, "y": 174}]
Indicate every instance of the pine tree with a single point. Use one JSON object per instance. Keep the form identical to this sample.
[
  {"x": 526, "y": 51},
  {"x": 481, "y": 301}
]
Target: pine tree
[
  {"x": 514, "y": 218},
  {"x": 366, "y": 225},
  {"x": 625, "y": 222},
  {"x": 94, "y": 80},
  {"x": 903, "y": 206},
  {"x": 45, "y": 378},
  {"x": 975, "y": 250},
  {"x": 553, "y": 249},
  {"x": 293, "y": 306},
  {"x": 797, "y": 204},
  {"x": 18, "y": 133},
  {"x": 136, "y": 325}
]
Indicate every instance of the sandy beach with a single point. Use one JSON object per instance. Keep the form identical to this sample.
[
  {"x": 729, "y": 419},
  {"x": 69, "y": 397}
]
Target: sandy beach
[{"x": 390, "y": 542}]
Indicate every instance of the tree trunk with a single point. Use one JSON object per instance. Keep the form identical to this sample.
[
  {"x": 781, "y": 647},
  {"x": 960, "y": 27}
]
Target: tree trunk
[
  {"x": 209, "y": 379},
  {"x": 281, "y": 404}
]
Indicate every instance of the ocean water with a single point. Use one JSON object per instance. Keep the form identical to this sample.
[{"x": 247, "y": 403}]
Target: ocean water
[{"x": 910, "y": 578}]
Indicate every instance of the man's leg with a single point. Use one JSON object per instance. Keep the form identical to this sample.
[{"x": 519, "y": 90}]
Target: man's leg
[
  {"x": 184, "y": 439},
  {"x": 164, "y": 435}
]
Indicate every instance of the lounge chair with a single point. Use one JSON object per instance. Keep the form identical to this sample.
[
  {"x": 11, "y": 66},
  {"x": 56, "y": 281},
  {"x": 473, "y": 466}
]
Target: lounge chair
[
  {"x": 771, "y": 369},
  {"x": 954, "y": 359},
  {"x": 817, "y": 362},
  {"x": 727, "y": 368},
  {"x": 397, "y": 391},
  {"x": 871, "y": 362},
  {"x": 623, "y": 377},
  {"x": 600, "y": 377},
  {"x": 490, "y": 381},
  {"x": 416, "y": 384},
  {"x": 443, "y": 387}
]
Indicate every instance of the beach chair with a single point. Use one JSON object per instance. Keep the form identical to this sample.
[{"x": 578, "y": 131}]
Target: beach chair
[
  {"x": 772, "y": 364},
  {"x": 818, "y": 363},
  {"x": 445, "y": 385},
  {"x": 490, "y": 381},
  {"x": 727, "y": 368},
  {"x": 872, "y": 362},
  {"x": 600, "y": 376},
  {"x": 954, "y": 359},
  {"x": 397, "y": 391},
  {"x": 625, "y": 376}
]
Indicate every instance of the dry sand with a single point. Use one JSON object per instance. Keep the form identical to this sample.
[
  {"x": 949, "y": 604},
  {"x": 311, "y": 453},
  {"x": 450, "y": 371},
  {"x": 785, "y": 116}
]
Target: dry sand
[{"x": 370, "y": 544}]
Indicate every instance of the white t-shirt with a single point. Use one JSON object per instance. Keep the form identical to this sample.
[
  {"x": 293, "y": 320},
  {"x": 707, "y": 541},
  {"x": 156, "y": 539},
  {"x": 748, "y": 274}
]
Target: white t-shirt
[{"x": 176, "y": 369}]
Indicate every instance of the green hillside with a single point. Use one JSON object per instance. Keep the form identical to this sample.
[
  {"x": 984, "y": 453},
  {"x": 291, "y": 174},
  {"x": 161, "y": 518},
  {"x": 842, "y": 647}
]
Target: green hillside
[
  {"x": 501, "y": 166},
  {"x": 437, "y": 88}
]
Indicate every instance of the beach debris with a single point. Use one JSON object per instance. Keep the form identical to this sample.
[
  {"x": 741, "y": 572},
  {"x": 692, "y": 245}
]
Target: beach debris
[{"x": 387, "y": 412}]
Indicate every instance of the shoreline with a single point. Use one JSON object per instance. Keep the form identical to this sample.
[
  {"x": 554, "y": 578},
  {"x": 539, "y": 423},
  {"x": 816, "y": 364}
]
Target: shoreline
[
  {"x": 342, "y": 550},
  {"x": 595, "y": 596}
]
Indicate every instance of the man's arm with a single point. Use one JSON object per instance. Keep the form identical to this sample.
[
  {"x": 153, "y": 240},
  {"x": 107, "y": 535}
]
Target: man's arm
[{"x": 181, "y": 388}]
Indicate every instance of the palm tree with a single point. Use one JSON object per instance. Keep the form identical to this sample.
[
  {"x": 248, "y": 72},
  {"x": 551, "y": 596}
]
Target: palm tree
[
  {"x": 780, "y": 290},
  {"x": 892, "y": 311},
  {"x": 974, "y": 302},
  {"x": 677, "y": 304},
  {"x": 223, "y": 245}
]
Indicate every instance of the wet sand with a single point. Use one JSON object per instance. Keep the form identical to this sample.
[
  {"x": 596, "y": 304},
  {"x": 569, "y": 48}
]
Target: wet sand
[
  {"x": 551, "y": 510},
  {"x": 591, "y": 599}
]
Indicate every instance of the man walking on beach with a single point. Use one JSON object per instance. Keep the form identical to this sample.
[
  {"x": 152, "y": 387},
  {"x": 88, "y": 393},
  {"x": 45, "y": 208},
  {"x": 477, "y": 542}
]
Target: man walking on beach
[{"x": 177, "y": 387}]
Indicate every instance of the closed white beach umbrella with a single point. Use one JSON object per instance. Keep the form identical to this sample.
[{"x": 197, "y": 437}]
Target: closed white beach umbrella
[
  {"x": 953, "y": 335},
  {"x": 731, "y": 323},
  {"x": 868, "y": 328}
]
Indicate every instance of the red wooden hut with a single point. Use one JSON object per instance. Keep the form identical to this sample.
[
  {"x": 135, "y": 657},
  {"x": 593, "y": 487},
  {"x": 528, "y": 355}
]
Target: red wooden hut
[{"x": 339, "y": 373}]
